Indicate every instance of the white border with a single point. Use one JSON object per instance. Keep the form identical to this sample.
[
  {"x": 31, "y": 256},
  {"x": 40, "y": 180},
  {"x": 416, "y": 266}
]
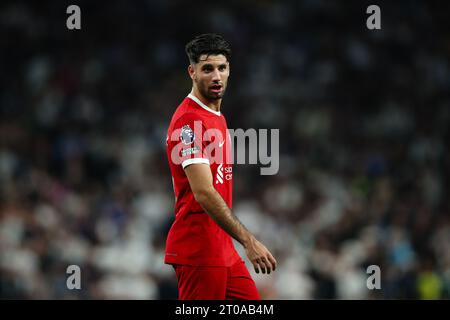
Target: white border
[
  {"x": 201, "y": 104},
  {"x": 187, "y": 162}
]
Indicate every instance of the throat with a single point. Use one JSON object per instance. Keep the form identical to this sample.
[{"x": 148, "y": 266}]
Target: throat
[{"x": 213, "y": 104}]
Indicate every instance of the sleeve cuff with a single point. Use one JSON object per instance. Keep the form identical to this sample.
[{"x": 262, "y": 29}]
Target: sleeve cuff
[{"x": 187, "y": 162}]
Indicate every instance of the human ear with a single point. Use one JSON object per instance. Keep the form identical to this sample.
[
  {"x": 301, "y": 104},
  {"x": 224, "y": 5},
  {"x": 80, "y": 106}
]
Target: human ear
[{"x": 191, "y": 71}]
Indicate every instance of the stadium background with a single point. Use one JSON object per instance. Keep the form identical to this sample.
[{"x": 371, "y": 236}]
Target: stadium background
[{"x": 363, "y": 118}]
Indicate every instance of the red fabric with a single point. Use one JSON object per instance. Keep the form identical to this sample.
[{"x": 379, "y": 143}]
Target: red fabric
[
  {"x": 216, "y": 283},
  {"x": 194, "y": 238}
]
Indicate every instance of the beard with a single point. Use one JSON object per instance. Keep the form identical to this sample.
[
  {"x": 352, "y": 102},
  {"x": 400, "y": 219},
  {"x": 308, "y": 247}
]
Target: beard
[{"x": 207, "y": 93}]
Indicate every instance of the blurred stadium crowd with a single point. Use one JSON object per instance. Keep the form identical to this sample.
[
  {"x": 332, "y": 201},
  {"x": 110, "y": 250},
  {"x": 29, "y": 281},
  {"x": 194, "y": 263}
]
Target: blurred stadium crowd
[{"x": 364, "y": 129}]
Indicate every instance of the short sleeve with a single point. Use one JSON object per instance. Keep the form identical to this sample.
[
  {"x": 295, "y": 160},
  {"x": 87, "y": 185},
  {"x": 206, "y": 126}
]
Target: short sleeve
[{"x": 186, "y": 141}]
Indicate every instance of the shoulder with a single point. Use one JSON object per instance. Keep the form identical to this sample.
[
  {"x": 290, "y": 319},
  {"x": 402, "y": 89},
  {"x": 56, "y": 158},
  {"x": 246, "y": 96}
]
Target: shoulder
[
  {"x": 188, "y": 113},
  {"x": 190, "y": 118}
]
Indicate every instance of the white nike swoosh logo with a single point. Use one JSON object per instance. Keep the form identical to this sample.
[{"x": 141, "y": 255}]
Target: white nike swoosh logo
[{"x": 221, "y": 144}]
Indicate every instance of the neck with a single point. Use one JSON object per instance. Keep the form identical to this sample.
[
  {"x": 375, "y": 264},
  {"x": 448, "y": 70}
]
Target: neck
[{"x": 213, "y": 104}]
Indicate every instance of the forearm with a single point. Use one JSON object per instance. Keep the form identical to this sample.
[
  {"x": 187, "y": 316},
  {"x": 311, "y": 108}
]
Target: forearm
[{"x": 213, "y": 203}]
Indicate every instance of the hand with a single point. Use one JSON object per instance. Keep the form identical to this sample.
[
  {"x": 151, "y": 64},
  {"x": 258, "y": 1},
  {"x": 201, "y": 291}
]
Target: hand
[{"x": 260, "y": 256}]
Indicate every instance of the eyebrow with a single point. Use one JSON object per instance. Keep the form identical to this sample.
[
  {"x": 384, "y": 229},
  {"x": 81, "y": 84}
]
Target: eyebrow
[{"x": 209, "y": 65}]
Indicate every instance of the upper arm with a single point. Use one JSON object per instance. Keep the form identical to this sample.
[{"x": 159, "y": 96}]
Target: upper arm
[
  {"x": 187, "y": 148},
  {"x": 187, "y": 144},
  {"x": 200, "y": 178}
]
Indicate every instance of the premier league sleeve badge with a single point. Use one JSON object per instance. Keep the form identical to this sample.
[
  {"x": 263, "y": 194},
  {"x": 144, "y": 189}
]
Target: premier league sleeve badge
[{"x": 187, "y": 135}]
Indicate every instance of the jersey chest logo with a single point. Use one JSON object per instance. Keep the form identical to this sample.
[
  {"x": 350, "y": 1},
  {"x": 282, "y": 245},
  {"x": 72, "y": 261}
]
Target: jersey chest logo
[{"x": 223, "y": 173}]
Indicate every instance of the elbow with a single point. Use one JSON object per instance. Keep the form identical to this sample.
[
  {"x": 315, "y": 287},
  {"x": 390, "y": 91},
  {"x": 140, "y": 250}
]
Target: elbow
[{"x": 202, "y": 195}]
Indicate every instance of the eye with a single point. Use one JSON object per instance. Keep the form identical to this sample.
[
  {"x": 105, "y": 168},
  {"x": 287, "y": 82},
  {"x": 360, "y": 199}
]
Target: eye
[
  {"x": 222, "y": 68},
  {"x": 207, "y": 69}
]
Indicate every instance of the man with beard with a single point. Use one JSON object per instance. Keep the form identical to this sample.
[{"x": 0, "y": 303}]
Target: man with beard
[{"x": 199, "y": 245}]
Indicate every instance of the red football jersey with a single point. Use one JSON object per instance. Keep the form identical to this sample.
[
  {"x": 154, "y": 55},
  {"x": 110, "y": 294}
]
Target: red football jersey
[{"x": 198, "y": 134}]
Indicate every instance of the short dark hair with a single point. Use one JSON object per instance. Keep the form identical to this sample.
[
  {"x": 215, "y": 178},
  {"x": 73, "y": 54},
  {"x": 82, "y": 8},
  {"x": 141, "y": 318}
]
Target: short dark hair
[{"x": 208, "y": 43}]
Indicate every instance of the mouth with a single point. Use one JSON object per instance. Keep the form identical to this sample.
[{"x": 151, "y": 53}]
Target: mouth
[{"x": 216, "y": 88}]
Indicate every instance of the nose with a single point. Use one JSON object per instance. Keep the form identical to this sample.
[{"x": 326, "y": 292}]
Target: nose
[{"x": 216, "y": 75}]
